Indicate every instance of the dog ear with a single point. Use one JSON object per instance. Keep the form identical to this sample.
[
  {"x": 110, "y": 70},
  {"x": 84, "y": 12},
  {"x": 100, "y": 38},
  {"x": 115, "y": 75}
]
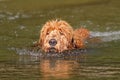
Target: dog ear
[
  {"x": 40, "y": 42},
  {"x": 67, "y": 29},
  {"x": 71, "y": 44},
  {"x": 42, "y": 35},
  {"x": 41, "y": 38}
]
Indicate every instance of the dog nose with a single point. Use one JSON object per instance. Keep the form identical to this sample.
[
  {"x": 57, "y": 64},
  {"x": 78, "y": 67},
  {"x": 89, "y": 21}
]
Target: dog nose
[{"x": 52, "y": 42}]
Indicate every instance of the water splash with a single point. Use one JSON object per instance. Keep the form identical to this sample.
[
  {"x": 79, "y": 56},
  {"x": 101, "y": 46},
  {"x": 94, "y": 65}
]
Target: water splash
[
  {"x": 73, "y": 54},
  {"x": 104, "y": 36},
  {"x": 107, "y": 36}
]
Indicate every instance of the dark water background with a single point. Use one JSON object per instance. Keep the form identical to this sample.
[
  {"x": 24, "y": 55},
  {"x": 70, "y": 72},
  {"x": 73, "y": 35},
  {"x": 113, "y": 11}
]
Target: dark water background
[{"x": 21, "y": 21}]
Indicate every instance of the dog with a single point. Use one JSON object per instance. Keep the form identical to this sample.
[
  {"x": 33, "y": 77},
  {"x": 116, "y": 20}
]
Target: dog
[{"x": 59, "y": 36}]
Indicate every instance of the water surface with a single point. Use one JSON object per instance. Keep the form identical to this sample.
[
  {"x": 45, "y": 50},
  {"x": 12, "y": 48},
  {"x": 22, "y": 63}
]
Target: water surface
[{"x": 21, "y": 21}]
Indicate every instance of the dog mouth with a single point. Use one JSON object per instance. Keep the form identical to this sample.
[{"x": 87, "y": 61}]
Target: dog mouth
[{"x": 52, "y": 49}]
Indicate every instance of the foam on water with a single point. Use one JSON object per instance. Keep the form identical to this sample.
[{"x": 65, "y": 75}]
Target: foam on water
[{"x": 107, "y": 36}]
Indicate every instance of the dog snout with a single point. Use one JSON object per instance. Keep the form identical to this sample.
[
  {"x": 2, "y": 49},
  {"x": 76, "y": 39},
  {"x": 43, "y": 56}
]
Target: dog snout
[{"x": 52, "y": 42}]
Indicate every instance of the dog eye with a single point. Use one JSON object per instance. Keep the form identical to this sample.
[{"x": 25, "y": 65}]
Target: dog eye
[
  {"x": 61, "y": 33},
  {"x": 47, "y": 33}
]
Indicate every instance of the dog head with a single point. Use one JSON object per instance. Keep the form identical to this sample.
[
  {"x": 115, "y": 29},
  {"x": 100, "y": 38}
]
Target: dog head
[{"x": 56, "y": 36}]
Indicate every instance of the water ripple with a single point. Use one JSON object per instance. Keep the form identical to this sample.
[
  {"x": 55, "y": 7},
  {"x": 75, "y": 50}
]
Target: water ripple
[{"x": 107, "y": 36}]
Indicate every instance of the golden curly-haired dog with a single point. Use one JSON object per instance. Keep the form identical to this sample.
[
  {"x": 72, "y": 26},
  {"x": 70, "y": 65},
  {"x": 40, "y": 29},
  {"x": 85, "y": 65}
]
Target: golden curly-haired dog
[{"x": 58, "y": 36}]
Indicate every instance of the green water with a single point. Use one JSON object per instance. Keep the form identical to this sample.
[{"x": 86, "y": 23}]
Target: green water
[{"x": 21, "y": 21}]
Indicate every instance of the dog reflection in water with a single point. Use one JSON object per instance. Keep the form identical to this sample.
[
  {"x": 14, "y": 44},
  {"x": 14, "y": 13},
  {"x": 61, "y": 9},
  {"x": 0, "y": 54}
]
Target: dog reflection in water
[{"x": 58, "y": 68}]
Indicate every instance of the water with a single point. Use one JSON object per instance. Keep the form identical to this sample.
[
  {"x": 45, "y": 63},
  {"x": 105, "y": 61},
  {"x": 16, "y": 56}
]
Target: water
[{"x": 21, "y": 21}]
